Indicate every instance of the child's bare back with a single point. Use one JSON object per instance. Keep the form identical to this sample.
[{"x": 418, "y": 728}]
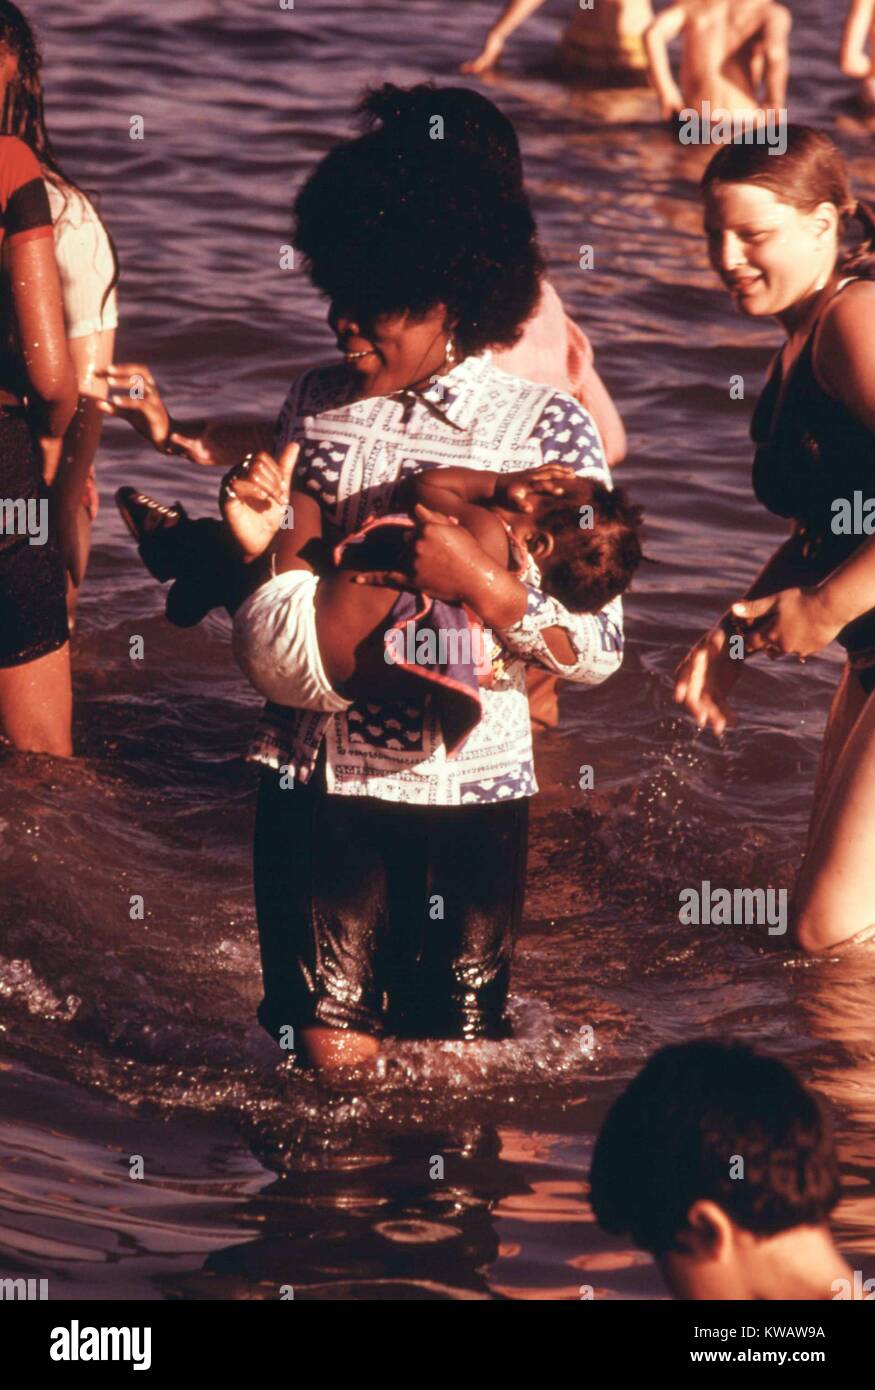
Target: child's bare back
[
  {"x": 734, "y": 54},
  {"x": 725, "y": 52}
]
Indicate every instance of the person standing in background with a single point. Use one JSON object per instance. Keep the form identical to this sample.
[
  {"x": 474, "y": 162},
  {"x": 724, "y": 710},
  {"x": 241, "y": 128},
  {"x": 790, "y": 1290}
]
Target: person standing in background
[
  {"x": 37, "y": 400},
  {"x": 88, "y": 271},
  {"x": 857, "y": 37},
  {"x": 734, "y": 55},
  {"x": 604, "y": 42}
]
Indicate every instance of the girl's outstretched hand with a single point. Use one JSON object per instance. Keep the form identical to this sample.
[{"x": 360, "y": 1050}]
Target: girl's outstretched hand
[
  {"x": 794, "y": 622},
  {"x": 704, "y": 680},
  {"x": 134, "y": 396},
  {"x": 254, "y": 499}
]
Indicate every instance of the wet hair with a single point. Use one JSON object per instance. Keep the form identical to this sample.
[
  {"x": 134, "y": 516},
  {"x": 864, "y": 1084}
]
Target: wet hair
[
  {"x": 24, "y": 112},
  {"x": 589, "y": 565},
  {"x": 396, "y": 220},
  {"x": 671, "y": 1137},
  {"x": 811, "y": 171}
]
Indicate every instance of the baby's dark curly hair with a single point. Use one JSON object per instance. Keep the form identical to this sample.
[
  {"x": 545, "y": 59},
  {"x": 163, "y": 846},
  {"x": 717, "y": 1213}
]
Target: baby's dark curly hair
[
  {"x": 596, "y": 547},
  {"x": 426, "y": 207}
]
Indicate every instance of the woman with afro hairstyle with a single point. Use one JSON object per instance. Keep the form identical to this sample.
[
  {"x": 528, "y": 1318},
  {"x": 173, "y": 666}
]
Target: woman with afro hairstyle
[{"x": 389, "y": 876}]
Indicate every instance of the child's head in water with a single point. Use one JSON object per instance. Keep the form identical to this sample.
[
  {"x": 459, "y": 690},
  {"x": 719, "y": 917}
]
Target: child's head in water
[
  {"x": 584, "y": 541},
  {"x": 721, "y": 1163}
]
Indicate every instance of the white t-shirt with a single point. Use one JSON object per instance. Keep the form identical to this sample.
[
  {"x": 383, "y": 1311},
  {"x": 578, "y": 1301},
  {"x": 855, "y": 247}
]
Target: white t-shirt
[{"x": 85, "y": 263}]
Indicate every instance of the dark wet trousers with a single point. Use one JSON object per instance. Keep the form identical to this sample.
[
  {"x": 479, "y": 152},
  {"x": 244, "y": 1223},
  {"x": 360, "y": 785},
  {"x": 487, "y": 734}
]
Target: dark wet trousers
[{"x": 384, "y": 918}]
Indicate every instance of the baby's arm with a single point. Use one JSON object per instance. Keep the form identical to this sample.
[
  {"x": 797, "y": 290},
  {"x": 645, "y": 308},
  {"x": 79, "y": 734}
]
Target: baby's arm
[
  {"x": 857, "y": 34},
  {"x": 776, "y": 46},
  {"x": 467, "y": 493},
  {"x": 665, "y": 28},
  {"x": 464, "y": 493}
]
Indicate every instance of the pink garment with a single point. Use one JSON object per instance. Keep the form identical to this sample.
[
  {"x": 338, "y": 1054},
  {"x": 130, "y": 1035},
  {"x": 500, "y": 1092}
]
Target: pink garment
[{"x": 553, "y": 351}]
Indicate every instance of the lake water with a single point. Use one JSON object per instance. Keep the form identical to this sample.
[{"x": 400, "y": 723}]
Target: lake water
[{"x": 123, "y": 1038}]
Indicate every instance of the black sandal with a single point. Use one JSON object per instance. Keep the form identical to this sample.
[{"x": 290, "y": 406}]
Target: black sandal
[
  {"x": 173, "y": 546},
  {"x": 158, "y": 530}
]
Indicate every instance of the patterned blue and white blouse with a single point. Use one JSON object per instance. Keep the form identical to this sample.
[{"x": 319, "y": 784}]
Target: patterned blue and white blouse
[{"x": 353, "y": 455}]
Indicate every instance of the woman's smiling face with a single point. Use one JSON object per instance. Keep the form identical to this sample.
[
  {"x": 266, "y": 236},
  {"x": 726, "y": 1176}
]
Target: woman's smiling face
[
  {"x": 391, "y": 351},
  {"x": 769, "y": 254}
]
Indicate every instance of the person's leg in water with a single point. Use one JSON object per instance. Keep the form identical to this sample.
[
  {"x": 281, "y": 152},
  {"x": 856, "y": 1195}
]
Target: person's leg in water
[
  {"x": 834, "y": 897},
  {"x": 319, "y": 896},
  {"x": 36, "y": 693},
  {"x": 456, "y": 892},
  {"x": 36, "y": 704},
  {"x": 847, "y": 706},
  {"x": 387, "y": 918}
]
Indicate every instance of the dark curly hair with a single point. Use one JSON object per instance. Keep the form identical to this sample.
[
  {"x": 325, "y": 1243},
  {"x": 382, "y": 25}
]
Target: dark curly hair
[
  {"x": 590, "y": 564},
  {"x": 426, "y": 207},
  {"x": 670, "y": 1139}
]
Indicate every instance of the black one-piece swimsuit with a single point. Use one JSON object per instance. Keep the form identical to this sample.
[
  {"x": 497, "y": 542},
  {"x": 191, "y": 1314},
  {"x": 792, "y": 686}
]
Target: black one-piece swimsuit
[{"x": 812, "y": 451}]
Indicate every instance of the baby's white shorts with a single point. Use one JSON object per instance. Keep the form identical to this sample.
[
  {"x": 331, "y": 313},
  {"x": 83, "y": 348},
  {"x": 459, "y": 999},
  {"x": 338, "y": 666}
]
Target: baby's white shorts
[{"x": 276, "y": 646}]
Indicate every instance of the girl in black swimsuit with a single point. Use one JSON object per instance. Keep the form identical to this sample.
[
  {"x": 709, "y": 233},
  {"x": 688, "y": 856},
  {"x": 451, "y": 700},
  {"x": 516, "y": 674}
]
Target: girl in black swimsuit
[{"x": 776, "y": 225}]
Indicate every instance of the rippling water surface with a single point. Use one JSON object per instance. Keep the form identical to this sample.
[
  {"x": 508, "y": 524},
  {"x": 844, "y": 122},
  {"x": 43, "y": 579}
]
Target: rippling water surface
[{"x": 129, "y": 1038}]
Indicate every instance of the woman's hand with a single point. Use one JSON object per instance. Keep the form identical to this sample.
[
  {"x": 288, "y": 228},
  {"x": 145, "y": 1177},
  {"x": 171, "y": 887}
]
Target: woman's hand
[
  {"x": 134, "y": 396},
  {"x": 254, "y": 498},
  {"x": 704, "y": 680},
  {"x": 794, "y": 622},
  {"x": 671, "y": 104},
  {"x": 512, "y": 490},
  {"x": 443, "y": 560}
]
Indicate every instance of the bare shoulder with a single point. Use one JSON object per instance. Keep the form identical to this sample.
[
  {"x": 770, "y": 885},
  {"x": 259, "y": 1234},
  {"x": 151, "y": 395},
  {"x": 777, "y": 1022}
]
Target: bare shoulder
[
  {"x": 671, "y": 21},
  {"x": 850, "y": 315},
  {"x": 844, "y": 349},
  {"x": 778, "y": 21}
]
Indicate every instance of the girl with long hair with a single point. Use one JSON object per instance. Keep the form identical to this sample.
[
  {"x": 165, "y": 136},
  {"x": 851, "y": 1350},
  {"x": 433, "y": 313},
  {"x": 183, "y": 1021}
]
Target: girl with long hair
[
  {"x": 89, "y": 273},
  {"x": 37, "y": 399}
]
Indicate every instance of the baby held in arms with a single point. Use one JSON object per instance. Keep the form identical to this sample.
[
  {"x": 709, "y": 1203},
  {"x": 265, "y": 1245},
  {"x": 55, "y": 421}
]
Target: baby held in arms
[{"x": 320, "y": 622}]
